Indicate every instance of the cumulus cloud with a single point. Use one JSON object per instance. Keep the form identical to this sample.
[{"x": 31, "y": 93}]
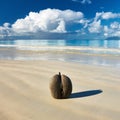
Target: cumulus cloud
[
  {"x": 110, "y": 15},
  {"x": 95, "y": 27},
  {"x": 106, "y": 15},
  {"x": 112, "y": 30},
  {"x": 5, "y": 30},
  {"x": 84, "y": 22},
  {"x": 60, "y": 28},
  {"x": 48, "y": 20},
  {"x": 115, "y": 25},
  {"x": 6, "y": 25},
  {"x": 109, "y": 29}
]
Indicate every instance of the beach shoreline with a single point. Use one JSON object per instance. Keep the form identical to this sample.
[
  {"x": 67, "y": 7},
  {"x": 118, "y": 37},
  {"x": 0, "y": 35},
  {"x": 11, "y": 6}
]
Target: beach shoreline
[
  {"x": 25, "y": 94},
  {"x": 74, "y": 56}
]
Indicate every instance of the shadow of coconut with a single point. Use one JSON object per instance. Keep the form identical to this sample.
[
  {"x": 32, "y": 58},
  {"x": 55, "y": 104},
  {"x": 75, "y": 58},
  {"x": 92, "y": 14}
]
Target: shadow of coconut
[{"x": 85, "y": 94}]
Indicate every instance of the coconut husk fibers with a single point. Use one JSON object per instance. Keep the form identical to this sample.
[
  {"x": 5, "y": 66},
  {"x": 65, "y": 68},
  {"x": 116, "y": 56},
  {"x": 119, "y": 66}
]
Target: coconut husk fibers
[{"x": 60, "y": 86}]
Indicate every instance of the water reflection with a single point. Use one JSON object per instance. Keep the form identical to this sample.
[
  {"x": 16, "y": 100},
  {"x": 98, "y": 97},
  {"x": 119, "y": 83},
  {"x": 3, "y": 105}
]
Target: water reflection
[
  {"x": 87, "y": 43},
  {"x": 41, "y": 42},
  {"x": 112, "y": 43},
  {"x": 13, "y": 54},
  {"x": 9, "y": 49}
]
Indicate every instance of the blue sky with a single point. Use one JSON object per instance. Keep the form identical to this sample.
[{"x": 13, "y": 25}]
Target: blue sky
[{"x": 83, "y": 17}]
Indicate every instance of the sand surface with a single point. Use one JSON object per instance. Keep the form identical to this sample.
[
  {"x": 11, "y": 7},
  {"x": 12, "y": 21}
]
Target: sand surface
[{"x": 25, "y": 94}]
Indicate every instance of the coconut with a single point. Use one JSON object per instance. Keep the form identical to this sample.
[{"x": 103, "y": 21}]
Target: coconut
[{"x": 60, "y": 86}]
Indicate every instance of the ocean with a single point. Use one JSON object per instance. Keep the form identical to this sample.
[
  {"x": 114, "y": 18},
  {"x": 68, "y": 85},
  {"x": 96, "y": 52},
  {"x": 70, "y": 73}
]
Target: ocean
[
  {"x": 97, "y": 52},
  {"x": 109, "y": 44}
]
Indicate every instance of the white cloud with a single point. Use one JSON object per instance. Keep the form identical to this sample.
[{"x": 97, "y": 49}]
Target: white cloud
[
  {"x": 95, "y": 27},
  {"x": 106, "y": 15},
  {"x": 6, "y": 25},
  {"x": 110, "y": 15},
  {"x": 54, "y": 21},
  {"x": 115, "y": 25},
  {"x": 47, "y": 20},
  {"x": 84, "y": 22},
  {"x": 117, "y": 33},
  {"x": 60, "y": 28},
  {"x": 112, "y": 30},
  {"x": 5, "y": 30},
  {"x": 109, "y": 29}
]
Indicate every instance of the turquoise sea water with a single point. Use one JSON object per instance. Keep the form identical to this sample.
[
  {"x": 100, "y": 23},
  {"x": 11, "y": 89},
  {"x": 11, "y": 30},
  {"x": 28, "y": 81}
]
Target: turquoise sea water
[
  {"x": 84, "y": 43},
  {"x": 82, "y": 51}
]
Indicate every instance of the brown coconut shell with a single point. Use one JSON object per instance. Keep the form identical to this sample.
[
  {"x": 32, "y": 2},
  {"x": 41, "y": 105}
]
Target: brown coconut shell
[{"x": 60, "y": 86}]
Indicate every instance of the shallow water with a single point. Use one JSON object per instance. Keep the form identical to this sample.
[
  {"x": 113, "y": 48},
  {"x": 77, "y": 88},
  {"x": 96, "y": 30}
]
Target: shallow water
[
  {"x": 96, "y": 52},
  {"x": 63, "y": 42}
]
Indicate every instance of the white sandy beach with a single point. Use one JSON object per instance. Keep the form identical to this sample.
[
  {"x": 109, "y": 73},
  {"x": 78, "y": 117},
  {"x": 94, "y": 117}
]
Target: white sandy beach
[{"x": 25, "y": 94}]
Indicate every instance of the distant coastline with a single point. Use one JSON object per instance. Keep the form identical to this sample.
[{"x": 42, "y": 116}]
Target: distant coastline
[{"x": 113, "y": 38}]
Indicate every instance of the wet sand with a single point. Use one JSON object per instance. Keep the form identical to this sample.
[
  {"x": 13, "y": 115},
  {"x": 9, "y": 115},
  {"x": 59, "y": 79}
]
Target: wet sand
[
  {"x": 82, "y": 57},
  {"x": 25, "y": 94}
]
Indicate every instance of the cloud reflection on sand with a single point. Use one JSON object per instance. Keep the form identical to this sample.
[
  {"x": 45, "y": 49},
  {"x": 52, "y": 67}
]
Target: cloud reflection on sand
[{"x": 97, "y": 52}]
